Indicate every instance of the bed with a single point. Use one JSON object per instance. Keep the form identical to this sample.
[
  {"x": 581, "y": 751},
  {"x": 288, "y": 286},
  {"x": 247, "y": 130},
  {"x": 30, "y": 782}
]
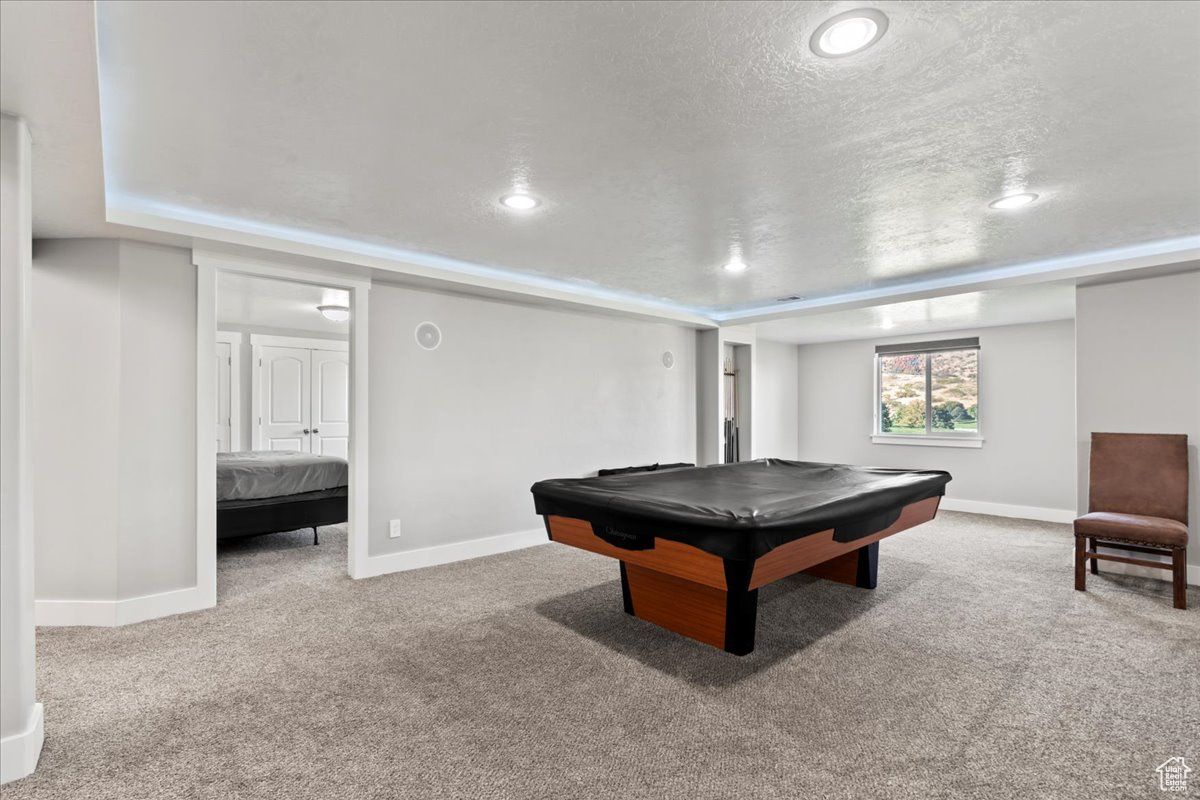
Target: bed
[{"x": 261, "y": 492}]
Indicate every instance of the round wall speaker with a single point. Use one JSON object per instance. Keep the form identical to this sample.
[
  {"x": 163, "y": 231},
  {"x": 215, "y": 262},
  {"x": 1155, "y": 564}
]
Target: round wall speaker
[
  {"x": 428, "y": 335},
  {"x": 668, "y": 359}
]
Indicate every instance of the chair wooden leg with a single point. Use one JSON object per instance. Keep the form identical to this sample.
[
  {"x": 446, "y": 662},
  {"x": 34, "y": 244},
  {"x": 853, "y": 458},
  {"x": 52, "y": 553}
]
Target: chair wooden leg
[
  {"x": 1095, "y": 561},
  {"x": 1179, "y": 576},
  {"x": 1080, "y": 566}
]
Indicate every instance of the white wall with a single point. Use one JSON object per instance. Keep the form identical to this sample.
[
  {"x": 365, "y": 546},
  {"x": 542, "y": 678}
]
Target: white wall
[
  {"x": 1138, "y": 356},
  {"x": 1027, "y": 416},
  {"x": 77, "y": 419},
  {"x": 157, "y": 464},
  {"x": 777, "y": 416},
  {"x": 20, "y": 713},
  {"x": 246, "y": 374},
  {"x": 709, "y": 397},
  {"x": 114, "y": 404},
  {"x": 514, "y": 394}
]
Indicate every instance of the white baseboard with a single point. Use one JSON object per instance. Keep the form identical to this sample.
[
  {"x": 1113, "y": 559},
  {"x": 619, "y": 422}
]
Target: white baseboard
[
  {"x": 1117, "y": 568},
  {"x": 98, "y": 613},
  {"x": 19, "y": 753},
  {"x": 1006, "y": 510},
  {"x": 110, "y": 613},
  {"x": 1066, "y": 516},
  {"x": 449, "y": 553},
  {"x": 163, "y": 604}
]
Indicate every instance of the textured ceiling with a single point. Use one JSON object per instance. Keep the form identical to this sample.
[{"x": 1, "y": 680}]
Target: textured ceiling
[
  {"x": 1042, "y": 302},
  {"x": 63, "y": 111},
  {"x": 663, "y": 136},
  {"x": 48, "y": 77}
]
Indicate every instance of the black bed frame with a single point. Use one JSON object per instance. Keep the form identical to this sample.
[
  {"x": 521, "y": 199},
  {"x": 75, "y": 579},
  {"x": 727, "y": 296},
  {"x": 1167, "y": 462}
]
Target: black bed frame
[{"x": 233, "y": 523}]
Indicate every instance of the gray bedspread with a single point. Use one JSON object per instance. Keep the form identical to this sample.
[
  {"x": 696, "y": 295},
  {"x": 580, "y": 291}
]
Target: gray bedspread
[{"x": 275, "y": 473}]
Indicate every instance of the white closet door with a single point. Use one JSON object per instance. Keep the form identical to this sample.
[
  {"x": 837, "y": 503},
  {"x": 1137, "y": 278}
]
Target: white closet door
[
  {"x": 224, "y": 398},
  {"x": 331, "y": 403},
  {"x": 285, "y": 375}
]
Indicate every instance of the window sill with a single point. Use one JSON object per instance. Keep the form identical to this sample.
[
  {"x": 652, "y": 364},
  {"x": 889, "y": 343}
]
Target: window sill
[{"x": 929, "y": 441}]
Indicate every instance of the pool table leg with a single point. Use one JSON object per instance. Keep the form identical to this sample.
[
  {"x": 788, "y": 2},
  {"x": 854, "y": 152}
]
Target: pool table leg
[
  {"x": 721, "y": 618},
  {"x": 626, "y": 598},
  {"x": 741, "y": 607},
  {"x": 857, "y": 568},
  {"x": 866, "y": 576}
]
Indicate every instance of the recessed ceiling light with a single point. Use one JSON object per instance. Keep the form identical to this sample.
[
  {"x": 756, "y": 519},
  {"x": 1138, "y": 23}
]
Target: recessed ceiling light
[
  {"x": 1013, "y": 201},
  {"x": 887, "y": 324},
  {"x": 519, "y": 201},
  {"x": 737, "y": 265},
  {"x": 848, "y": 33},
  {"x": 335, "y": 313}
]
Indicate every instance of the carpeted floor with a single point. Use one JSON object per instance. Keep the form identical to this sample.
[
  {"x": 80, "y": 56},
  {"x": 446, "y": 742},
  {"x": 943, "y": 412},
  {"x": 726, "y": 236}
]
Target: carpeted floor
[{"x": 974, "y": 670}]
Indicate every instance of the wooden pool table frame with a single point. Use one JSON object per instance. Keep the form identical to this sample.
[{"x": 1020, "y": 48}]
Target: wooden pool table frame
[{"x": 715, "y": 600}]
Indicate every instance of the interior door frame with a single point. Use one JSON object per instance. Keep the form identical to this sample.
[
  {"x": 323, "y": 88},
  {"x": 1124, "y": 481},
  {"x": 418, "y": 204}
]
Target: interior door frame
[
  {"x": 257, "y": 342},
  {"x": 234, "y": 340},
  {"x": 208, "y": 264}
]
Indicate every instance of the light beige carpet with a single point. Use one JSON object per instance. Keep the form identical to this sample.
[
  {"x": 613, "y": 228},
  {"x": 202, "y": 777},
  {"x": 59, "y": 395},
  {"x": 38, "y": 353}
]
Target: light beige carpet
[{"x": 974, "y": 670}]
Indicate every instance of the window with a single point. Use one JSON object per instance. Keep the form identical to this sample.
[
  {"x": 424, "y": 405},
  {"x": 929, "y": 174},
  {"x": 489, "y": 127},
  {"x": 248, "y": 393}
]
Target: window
[{"x": 928, "y": 390}]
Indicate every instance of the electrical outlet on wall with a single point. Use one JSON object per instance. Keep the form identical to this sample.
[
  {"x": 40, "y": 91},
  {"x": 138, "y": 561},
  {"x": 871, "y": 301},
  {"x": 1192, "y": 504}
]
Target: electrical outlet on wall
[{"x": 394, "y": 529}]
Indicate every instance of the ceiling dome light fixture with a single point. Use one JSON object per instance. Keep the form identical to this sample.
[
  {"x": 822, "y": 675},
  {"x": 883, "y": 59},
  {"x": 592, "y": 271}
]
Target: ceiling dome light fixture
[
  {"x": 335, "y": 313},
  {"x": 736, "y": 265},
  {"x": 848, "y": 33},
  {"x": 1013, "y": 201},
  {"x": 519, "y": 201}
]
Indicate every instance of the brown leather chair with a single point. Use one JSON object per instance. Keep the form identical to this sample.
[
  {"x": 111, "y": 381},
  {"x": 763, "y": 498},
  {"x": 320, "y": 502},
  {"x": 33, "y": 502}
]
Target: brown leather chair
[{"x": 1137, "y": 501}]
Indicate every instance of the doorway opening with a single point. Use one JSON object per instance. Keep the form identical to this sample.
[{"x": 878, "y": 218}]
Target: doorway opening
[
  {"x": 282, "y": 410},
  {"x": 736, "y": 400}
]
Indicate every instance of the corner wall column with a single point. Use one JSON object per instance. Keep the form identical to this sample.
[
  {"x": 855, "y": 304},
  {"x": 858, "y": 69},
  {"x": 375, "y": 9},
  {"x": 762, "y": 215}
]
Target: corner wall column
[{"x": 20, "y": 713}]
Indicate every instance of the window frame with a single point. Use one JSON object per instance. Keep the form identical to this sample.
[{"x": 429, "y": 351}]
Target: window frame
[{"x": 929, "y": 438}]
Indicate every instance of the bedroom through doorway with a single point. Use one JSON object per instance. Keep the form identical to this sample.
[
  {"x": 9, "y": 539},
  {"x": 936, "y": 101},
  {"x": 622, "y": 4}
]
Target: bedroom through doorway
[{"x": 283, "y": 389}]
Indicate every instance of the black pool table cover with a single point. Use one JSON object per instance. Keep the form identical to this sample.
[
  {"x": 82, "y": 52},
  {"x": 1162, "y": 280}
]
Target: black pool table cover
[{"x": 739, "y": 511}]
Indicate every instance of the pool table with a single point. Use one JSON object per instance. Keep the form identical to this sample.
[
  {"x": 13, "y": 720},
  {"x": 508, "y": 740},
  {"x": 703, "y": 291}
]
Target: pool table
[{"x": 696, "y": 544}]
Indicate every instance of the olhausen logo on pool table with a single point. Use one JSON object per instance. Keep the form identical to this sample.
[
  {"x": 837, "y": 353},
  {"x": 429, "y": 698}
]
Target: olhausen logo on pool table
[{"x": 611, "y": 531}]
